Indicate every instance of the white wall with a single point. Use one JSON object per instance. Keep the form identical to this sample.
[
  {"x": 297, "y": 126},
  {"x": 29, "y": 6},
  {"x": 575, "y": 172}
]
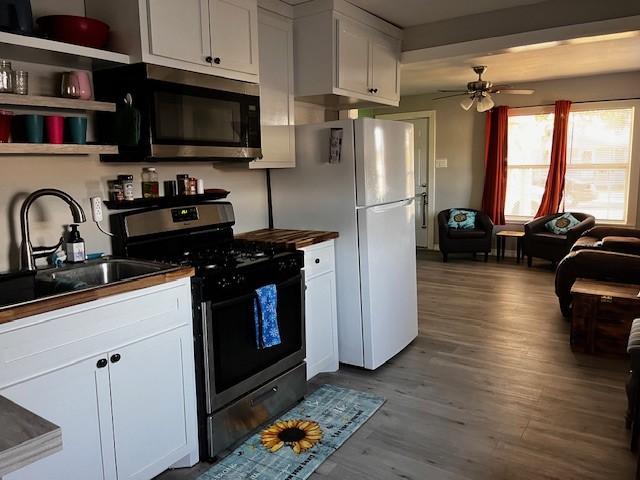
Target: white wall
[
  {"x": 460, "y": 134},
  {"x": 85, "y": 176}
]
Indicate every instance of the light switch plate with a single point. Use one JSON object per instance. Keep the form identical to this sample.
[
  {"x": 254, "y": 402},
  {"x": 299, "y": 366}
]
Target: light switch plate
[{"x": 441, "y": 163}]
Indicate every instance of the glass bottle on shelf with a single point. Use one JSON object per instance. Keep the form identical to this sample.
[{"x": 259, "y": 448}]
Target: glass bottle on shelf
[{"x": 150, "y": 184}]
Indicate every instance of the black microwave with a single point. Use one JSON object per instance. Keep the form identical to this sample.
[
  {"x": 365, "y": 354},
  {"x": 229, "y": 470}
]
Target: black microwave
[{"x": 168, "y": 114}]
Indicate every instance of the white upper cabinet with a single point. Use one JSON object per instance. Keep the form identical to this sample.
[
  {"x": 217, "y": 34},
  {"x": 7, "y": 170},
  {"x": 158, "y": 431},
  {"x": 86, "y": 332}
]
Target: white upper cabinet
[
  {"x": 345, "y": 56},
  {"x": 353, "y": 57},
  {"x": 216, "y": 37},
  {"x": 234, "y": 34},
  {"x": 277, "y": 103},
  {"x": 173, "y": 33}
]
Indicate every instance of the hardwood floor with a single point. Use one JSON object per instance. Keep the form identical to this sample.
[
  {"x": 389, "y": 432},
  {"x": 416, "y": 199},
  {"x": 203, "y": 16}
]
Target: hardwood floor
[{"x": 489, "y": 389}]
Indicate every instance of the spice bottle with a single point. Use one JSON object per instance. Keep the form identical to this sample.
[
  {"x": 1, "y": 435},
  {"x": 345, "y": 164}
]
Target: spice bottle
[
  {"x": 127, "y": 186},
  {"x": 183, "y": 184},
  {"x": 150, "y": 184}
]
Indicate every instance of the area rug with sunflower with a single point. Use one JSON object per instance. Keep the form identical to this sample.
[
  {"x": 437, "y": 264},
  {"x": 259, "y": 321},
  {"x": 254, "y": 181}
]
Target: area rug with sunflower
[{"x": 295, "y": 445}]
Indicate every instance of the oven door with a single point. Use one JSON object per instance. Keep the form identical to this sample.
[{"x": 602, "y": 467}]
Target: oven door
[
  {"x": 233, "y": 363},
  {"x": 192, "y": 121}
]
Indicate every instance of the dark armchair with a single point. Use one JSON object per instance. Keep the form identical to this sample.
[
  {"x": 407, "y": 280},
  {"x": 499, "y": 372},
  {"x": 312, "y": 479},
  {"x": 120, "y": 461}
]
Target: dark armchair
[
  {"x": 540, "y": 242},
  {"x": 453, "y": 240},
  {"x": 612, "y": 239}
]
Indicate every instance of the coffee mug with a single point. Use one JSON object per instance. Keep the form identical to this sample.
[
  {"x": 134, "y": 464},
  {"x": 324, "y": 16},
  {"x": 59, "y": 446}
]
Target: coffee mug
[
  {"x": 81, "y": 78},
  {"x": 30, "y": 128},
  {"x": 55, "y": 128},
  {"x": 5, "y": 125},
  {"x": 76, "y": 130}
]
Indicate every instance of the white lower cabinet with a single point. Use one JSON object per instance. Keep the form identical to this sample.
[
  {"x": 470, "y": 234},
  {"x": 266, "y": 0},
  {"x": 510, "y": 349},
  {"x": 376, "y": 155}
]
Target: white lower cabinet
[
  {"x": 117, "y": 376},
  {"x": 320, "y": 309}
]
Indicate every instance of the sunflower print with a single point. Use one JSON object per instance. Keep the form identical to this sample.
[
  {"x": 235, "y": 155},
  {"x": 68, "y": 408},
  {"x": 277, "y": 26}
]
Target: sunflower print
[{"x": 300, "y": 435}]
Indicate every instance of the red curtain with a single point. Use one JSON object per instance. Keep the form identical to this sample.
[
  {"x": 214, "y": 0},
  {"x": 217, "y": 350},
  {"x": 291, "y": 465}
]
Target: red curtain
[
  {"x": 495, "y": 162},
  {"x": 554, "y": 188}
]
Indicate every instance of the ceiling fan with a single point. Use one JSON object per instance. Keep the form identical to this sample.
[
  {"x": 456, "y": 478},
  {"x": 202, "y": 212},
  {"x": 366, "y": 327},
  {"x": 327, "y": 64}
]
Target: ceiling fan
[{"x": 479, "y": 92}]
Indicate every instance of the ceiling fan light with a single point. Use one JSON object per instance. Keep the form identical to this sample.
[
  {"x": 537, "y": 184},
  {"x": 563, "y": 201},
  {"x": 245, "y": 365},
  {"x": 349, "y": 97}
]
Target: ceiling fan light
[
  {"x": 485, "y": 103},
  {"x": 467, "y": 102}
]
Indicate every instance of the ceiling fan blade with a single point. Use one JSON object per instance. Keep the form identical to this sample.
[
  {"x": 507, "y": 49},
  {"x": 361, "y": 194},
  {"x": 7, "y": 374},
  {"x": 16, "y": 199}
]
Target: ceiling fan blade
[
  {"x": 515, "y": 91},
  {"x": 450, "y": 96},
  {"x": 453, "y": 91}
]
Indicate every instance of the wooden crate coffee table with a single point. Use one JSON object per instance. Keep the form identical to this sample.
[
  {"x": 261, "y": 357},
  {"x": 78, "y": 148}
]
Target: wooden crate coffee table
[{"x": 602, "y": 316}]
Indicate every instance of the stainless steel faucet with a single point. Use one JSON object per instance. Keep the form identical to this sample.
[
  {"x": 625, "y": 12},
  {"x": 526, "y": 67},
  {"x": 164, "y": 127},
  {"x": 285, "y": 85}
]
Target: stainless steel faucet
[{"x": 27, "y": 255}]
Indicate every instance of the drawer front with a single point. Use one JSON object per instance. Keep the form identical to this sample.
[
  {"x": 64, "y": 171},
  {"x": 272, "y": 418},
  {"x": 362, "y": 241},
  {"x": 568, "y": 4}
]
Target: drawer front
[
  {"x": 43, "y": 343},
  {"x": 318, "y": 259}
]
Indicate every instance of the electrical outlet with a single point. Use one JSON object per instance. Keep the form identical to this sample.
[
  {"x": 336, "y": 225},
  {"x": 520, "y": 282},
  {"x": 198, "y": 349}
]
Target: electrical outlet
[{"x": 96, "y": 209}]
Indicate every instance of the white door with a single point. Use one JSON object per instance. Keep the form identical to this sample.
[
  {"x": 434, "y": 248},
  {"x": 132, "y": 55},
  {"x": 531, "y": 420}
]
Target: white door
[
  {"x": 353, "y": 57},
  {"x": 180, "y": 30},
  {"x": 421, "y": 173},
  {"x": 76, "y": 398},
  {"x": 384, "y": 161},
  {"x": 385, "y": 52},
  {"x": 320, "y": 324},
  {"x": 234, "y": 34},
  {"x": 388, "y": 280},
  {"x": 276, "y": 92},
  {"x": 148, "y": 404}
]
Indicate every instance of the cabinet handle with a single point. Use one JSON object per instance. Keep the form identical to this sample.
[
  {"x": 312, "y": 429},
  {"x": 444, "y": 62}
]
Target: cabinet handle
[
  {"x": 216, "y": 60},
  {"x": 317, "y": 260},
  {"x": 115, "y": 358},
  {"x": 101, "y": 363},
  {"x": 208, "y": 59},
  {"x": 375, "y": 90},
  {"x": 371, "y": 90}
]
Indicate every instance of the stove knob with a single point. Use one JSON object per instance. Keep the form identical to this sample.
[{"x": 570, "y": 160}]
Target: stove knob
[{"x": 282, "y": 265}]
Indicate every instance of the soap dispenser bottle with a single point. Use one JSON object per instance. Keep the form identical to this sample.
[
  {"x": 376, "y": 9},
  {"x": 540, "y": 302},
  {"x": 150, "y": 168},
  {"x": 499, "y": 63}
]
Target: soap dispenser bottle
[{"x": 74, "y": 247}]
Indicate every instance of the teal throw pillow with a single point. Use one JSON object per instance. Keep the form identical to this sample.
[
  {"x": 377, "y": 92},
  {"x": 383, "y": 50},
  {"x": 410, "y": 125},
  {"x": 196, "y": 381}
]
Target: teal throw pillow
[
  {"x": 462, "y": 219},
  {"x": 562, "y": 224}
]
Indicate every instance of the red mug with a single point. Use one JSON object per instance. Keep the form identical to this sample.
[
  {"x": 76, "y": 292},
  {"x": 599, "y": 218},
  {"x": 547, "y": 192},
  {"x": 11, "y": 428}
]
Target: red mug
[
  {"x": 55, "y": 128},
  {"x": 5, "y": 125}
]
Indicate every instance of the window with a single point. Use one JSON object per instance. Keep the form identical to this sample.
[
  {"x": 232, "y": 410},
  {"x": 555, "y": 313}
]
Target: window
[{"x": 598, "y": 162}]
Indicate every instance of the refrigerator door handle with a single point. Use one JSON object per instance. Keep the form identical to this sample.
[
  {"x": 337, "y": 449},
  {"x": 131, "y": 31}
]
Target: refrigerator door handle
[{"x": 389, "y": 206}]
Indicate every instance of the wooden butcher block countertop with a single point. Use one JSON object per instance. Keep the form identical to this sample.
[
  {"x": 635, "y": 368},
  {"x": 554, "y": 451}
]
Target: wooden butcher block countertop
[
  {"x": 293, "y": 239},
  {"x": 52, "y": 302},
  {"x": 24, "y": 437}
]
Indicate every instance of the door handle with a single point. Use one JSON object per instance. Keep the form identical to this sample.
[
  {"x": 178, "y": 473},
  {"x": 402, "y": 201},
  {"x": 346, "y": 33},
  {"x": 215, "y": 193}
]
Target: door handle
[{"x": 424, "y": 210}]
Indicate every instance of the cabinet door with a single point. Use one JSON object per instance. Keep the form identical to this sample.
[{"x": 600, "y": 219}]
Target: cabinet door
[
  {"x": 353, "y": 57},
  {"x": 180, "y": 30},
  {"x": 76, "y": 398},
  {"x": 276, "y": 92},
  {"x": 149, "y": 405},
  {"x": 321, "y": 324},
  {"x": 234, "y": 34},
  {"x": 385, "y": 55}
]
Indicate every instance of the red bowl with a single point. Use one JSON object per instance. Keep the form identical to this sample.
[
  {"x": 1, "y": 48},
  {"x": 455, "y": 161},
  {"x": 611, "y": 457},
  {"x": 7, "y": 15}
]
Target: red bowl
[{"x": 84, "y": 31}]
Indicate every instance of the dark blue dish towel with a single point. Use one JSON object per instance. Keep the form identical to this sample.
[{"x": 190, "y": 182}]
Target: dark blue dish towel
[{"x": 265, "y": 315}]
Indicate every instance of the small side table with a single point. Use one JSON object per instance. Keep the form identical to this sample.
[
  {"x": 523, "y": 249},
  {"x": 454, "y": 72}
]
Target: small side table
[{"x": 501, "y": 240}]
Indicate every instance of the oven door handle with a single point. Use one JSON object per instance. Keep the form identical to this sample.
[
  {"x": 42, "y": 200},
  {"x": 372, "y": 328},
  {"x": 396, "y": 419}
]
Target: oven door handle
[
  {"x": 264, "y": 396},
  {"x": 252, "y": 295}
]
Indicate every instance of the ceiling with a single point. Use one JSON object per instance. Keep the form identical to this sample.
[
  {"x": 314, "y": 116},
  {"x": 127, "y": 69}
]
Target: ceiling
[
  {"x": 546, "y": 61},
  {"x": 407, "y": 13}
]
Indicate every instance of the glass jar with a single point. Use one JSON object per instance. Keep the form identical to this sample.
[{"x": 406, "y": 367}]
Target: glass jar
[
  {"x": 127, "y": 186},
  {"x": 21, "y": 83},
  {"x": 150, "y": 184},
  {"x": 6, "y": 77}
]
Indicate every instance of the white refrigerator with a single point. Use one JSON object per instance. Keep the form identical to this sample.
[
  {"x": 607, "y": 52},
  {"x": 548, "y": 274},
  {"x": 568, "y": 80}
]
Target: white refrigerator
[{"x": 368, "y": 198}]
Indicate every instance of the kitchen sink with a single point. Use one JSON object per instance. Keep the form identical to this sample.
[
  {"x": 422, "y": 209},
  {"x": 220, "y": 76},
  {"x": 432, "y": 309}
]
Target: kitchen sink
[{"x": 95, "y": 273}]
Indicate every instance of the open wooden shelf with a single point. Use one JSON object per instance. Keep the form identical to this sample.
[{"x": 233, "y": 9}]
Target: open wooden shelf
[
  {"x": 28, "y": 44},
  {"x": 55, "y": 149},
  {"x": 37, "y": 101}
]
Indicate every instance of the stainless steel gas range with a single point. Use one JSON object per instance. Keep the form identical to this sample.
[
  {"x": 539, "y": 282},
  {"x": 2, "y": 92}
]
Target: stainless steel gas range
[{"x": 240, "y": 385}]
